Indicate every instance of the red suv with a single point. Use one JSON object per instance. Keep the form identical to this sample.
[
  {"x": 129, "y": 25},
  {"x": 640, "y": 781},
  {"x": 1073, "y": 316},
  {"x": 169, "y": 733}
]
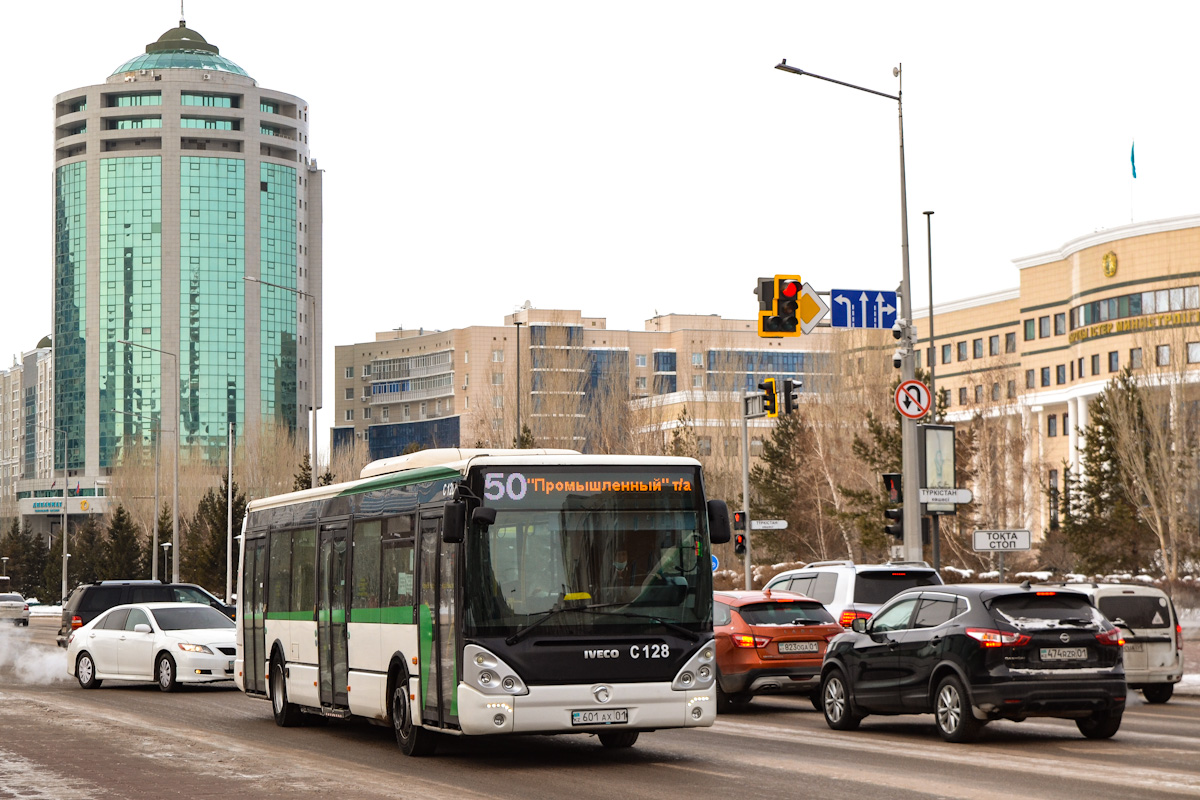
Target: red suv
[{"x": 769, "y": 642}]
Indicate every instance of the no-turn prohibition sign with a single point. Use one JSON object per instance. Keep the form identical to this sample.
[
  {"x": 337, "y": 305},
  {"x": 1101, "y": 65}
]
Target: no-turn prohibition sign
[{"x": 913, "y": 399}]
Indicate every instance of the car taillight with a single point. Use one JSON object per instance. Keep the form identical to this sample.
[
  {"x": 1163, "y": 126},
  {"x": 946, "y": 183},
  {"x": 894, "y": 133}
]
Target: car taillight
[
  {"x": 1112, "y": 636},
  {"x": 747, "y": 640},
  {"x": 989, "y": 637},
  {"x": 849, "y": 615},
  {"x": 27, "y": 606},
  {"x": 1179, "y": 637},
  {"x": 76, "y": 622}
]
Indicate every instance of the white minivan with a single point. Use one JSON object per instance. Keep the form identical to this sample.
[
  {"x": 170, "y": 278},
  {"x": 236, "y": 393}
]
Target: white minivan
[{"x": 1153, "y": 636}]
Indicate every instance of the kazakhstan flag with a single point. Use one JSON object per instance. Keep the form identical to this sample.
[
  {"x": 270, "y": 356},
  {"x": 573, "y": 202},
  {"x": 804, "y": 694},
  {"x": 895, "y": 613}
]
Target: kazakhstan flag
[{"x": 1132, "y": 163}]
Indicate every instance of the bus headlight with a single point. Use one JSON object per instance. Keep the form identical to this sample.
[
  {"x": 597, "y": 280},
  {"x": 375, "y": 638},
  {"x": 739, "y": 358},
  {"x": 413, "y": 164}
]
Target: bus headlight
[
  {"x": 485, "y": 671},
  {"x": 697, "y": 673}
]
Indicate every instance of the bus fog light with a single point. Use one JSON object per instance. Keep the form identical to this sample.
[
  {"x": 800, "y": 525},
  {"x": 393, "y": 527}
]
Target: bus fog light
[
  {"x": 499, "y": 720},
  {"x": 486, "y": 678},
  {"x": 509, "y": 684},
  {"x": 697, "y": 712},
  {"x": 687, "y": 679}
]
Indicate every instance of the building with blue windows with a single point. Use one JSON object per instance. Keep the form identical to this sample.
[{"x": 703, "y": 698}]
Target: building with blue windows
[{"x": 174, "y": 180}]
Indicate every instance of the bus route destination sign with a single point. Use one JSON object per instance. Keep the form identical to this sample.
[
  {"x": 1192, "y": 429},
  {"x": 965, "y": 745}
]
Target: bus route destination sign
[{"x": 526, "y": 484}]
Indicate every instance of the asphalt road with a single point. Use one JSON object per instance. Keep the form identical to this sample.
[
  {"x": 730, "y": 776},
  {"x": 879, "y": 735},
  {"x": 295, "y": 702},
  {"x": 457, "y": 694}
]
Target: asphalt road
[{"x": 132, "y": 741}]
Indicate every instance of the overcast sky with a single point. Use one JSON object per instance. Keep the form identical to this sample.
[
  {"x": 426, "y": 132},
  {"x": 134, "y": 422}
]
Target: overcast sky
[{"x": 628, "y": 158}]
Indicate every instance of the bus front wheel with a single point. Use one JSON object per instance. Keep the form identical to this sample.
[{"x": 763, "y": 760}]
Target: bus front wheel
[{"x": 412, "y": 738}]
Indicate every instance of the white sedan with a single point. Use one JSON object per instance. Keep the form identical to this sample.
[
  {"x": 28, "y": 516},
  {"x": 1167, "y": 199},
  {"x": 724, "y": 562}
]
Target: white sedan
[
  {"x": 14, "y": 607},
  {"x": 168, "y": 643}
]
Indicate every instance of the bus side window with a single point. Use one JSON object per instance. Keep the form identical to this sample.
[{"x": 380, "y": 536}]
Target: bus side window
[
  {"x": 304, "y": 564},
  {"x": 397, "y": 558},
  {"x": 366, "y": 568},
  {"x": 279, "y": 578}
]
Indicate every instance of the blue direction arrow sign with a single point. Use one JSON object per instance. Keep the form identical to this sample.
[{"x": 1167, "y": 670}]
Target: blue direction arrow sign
[{"x": 862, "y": 308}]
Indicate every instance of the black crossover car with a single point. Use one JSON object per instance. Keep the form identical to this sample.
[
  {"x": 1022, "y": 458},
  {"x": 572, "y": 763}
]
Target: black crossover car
[
  {"x": 973, "y": 653},
  {"x": 90, "y": 600}
]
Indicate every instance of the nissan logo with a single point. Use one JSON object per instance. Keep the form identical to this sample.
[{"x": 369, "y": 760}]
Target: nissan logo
[
  {"x": 1064, "y": 637},
  {"x": 602, "y": 693}
]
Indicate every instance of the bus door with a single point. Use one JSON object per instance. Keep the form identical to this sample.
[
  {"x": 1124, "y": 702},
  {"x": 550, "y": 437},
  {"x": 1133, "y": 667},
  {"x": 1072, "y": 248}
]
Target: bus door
[
  {"x": 438, "y": 619},
  {"x": 333, "y": 562},
  {"x": 253, "y": 597}
]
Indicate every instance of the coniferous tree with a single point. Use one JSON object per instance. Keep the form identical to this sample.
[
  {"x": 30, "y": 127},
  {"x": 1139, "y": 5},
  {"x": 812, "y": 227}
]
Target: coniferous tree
[
  {"x": 782, "y": 487},
  {"x": 33, "y": 563},
  {"x": 204, "y": 559},
  {"x": 86, "y": 564},
  {"x": 1099, "y": 525},
  {"x": 123, "y": 553}
]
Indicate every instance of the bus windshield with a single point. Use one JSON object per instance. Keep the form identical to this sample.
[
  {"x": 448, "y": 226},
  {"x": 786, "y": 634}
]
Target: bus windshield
[{"x": 605, "y": 549}]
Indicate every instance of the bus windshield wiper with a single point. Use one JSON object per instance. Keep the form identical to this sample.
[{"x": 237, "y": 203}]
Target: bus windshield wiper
[
  {"x": 558, "y": 609},
  {"x": 597, "y": 608}
]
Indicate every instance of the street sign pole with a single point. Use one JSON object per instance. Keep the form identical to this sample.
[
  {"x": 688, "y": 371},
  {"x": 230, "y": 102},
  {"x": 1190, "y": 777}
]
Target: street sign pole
[{"x": 746, "y": 481}]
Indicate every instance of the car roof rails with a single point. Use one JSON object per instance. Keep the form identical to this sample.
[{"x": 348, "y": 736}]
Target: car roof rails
[
  {"x": 129, "y": 583},
  {"x": 843, "y": 563}
]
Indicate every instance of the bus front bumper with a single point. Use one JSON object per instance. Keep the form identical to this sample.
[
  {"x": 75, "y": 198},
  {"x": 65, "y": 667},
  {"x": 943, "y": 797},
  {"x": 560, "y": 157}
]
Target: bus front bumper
[{"x": 581, "y": 709}]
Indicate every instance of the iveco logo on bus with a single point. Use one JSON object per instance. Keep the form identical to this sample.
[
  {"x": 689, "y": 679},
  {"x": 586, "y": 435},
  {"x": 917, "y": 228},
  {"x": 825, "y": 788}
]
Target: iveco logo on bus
[{"x": 601, "y": 654}]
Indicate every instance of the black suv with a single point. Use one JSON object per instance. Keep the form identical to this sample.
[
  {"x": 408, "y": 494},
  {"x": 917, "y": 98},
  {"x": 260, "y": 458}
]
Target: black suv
[
  {"x": 973, "y": 653},
  {"x": 90, "y": 600}
]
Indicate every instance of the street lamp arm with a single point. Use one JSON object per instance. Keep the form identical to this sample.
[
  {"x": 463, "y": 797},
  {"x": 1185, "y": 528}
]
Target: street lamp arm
[{"x": 783, "y": 65}]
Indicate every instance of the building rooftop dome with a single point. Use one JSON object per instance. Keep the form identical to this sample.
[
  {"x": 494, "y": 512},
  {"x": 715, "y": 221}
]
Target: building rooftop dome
[{"x": 181, "y": 48}]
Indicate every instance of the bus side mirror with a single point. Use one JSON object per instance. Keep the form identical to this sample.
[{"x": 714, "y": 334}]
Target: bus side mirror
[
  {"x": 483, "y": 517},
  {"x": 454, "y": 518},
  {"x": 718, "y": 522}
]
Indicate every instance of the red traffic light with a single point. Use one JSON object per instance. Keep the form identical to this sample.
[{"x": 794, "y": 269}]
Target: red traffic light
[
  {"x": 739, "y": 520},
  {"x": 789, "y": 288}
]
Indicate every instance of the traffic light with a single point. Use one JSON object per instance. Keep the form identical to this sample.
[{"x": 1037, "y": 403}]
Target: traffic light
[
  {"x": 790, "y": 398},
  {"x": 892, "y": 485},
  {"x": 739, "y": 544},
  {"x": 779, "y": 306},
  {"x": 770, "y": 398},
  {"x": 739, "y": 520}
]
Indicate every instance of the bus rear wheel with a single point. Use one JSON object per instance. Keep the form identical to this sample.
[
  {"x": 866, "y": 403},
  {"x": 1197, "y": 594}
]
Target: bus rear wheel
[
  {"x": 412, "y": 739},
  {"x": 286, "y": 714}
]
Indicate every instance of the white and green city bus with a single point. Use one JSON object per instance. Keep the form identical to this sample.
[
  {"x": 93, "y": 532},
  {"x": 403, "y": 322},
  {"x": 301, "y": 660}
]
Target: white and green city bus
[{"x": 486, "y": 592}]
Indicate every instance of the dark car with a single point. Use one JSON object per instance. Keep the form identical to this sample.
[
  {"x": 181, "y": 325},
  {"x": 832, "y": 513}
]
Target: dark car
[
  {"x": 90, "y": 600},
  {"x": 969, "y": 654}
]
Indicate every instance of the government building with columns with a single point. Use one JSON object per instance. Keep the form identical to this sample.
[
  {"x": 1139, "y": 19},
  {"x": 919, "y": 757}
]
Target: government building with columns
[{"x": 1034, "y": 357}]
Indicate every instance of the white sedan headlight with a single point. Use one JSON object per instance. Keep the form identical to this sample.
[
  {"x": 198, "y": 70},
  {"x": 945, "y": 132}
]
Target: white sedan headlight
[{"x": 195, "y": 648}]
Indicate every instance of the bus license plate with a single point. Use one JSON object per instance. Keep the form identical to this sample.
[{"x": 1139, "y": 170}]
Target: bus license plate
[
  {"x": 797, "y": 647},
  {"x": 230, "y": 667},
  {"x": 1064, "y": 654},
  {"x": 609, "y": 716}
]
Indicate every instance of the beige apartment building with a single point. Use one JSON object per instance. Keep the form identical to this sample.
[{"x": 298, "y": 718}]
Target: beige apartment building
[
  {"x": 566, "y": 377},
  {"x": 1028, "y": 361}
]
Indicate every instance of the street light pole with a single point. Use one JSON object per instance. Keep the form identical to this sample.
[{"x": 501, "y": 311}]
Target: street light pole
[
  {"x": 520, "y": 432},
  {"x": 178, "y": 432},
  {"x": 908, "y": 427},
  {"x": 312, "y": 366},
  {"x": 934, "y": 535}
]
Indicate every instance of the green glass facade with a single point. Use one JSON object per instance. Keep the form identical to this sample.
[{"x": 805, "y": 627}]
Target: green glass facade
[
  {"x": 277, "y": 259},
  {"x": 212, "y": 263},
  {"x": 130, "y": 301},
  {"x": 70, "y": 317}
]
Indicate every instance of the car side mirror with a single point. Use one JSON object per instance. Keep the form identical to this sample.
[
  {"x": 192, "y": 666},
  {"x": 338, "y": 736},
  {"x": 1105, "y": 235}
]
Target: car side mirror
[
  {"x": 718, "y": 522},
  {"x": 142, "y": 627},
  {"x": 859, "y": 625}
]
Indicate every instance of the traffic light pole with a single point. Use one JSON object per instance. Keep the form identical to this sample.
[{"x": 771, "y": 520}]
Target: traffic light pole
[{"x": 746, "y": 481}]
